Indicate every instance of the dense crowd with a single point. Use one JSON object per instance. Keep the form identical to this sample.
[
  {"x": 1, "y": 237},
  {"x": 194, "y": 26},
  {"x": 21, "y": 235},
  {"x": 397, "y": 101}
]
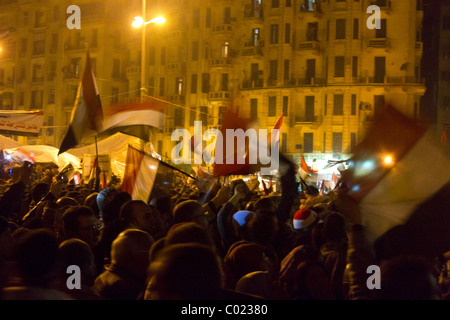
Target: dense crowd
[{"x": 231, "y": 241}]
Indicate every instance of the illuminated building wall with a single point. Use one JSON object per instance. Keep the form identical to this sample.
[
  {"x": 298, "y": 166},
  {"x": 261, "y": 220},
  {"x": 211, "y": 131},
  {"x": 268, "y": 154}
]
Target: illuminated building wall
[{"x": 316, "y": 61}]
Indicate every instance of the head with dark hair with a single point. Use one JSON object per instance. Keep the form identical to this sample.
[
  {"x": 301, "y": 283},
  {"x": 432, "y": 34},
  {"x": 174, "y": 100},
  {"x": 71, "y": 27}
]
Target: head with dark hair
[
  {"x": 185, "y": 271},
  {"x": 39, "y": 191},
  {"x": 137, "y": 214},
  {"x": 80, "y": 222},
  {"x": 187, "y": 232},
  {"x": 334, "y": 227},
  {"x": 262, "y": 227},
  {"x": 408, "y": 277},
  {"x": 36, "y": 257},
  {"x": 190, "y": 211}
]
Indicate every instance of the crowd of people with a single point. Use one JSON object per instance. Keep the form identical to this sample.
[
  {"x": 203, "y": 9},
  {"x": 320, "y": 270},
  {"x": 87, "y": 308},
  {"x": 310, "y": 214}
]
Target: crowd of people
[{"x": 236, "y": 241}]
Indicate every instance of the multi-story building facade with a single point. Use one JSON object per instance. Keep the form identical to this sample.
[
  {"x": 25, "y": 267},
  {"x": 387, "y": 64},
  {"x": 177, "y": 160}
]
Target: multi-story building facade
[
  {"x": 42, "y": 60},
  {"x": 314, "y": 61},
  {"x": 436, "y": 66}
]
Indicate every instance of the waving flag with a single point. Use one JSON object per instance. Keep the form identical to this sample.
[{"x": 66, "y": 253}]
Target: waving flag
[
  {"x": 229, "y": 163},
  {"x": 134, "y": 118},
  {"x": 146, "y": 177},
  {"x": 87, "y": 112},
  {"x": 387, "y": 179}
]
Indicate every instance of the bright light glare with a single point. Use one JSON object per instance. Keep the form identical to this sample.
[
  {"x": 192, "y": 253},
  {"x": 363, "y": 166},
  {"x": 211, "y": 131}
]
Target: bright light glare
[
  {"x": 388, "y": 161},
  {"x": 138, "y": 21},
  {"x": 157, "y": 20}
]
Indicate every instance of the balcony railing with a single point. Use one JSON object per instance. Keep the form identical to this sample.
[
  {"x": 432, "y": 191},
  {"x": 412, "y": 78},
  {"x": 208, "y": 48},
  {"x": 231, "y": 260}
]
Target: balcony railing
[
  {"x": 226, "y": 27},
  {"x": 221, "y": 62},
  {"x": 309, "y": 45},
  {"x": 219, "y": 95},
  {"x": 379, "y": 43}
]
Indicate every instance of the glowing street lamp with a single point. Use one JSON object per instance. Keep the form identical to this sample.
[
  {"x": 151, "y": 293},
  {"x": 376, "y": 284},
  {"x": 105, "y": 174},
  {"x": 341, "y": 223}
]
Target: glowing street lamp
[
  {"x": 388, "y": 161},
  {"x": 138, "y": 23}
]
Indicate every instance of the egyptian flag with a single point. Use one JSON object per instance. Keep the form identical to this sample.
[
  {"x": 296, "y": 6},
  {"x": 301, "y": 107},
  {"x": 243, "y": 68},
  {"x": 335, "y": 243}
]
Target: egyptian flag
[
  {"x": 133, "y": 118},
  {"x": 305, "y": 170},
  {"x": 400, "y": 177},
  {"x": 146, "y": 177},
  {"x": 237, "y": 162},
  {"x": 87, "y": 112}
]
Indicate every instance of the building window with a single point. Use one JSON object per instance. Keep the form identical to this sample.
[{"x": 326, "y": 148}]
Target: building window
[
  {"x": 194, "y": 83},
  {"x": 178, "y": 117},
  {"x": 310, "y": 70},
  {"x": 309, "y": 108},
  {"x": 354, "y": 66},
  {"x": 286, "y": 70},
  {"x": 274, "y": 34},
  {"x": 224, "y": 83},
  {"x": 36, "y": 99},
  {"x": 51, "y": 96},
  {"x": 380, "y": 69},
  {"x": 339, "y": 66},
  {"x": 221, "y": 112},
  {"x": 208, "y": 18},
  {"x": 338, "y": 106},
  {"x": 39, "y": 43},
  {"x": 275, "y": 3},
  {"x": 337, "y": 142},
  {"x": 340, "y": 29},
  {"x": 204, "y": 115},
  {"x": 225, "y": 49},
  {"x": 308, "y": 142},
  {"x": 381, "y": 33},
  {"x": 205, "y": 82},
  {"x": 285, "y": 105},
  {"x": 311, "y": 32},
  {"x": 379, "y": 105},
  {"x": 353, "y": 106},
  {"x": 273, "y": 70},
  {"x": 227, "y": 15},
  {"x": 355, "y": 28},
  {"x": 287, "y": 33},
  {"x": 196, "y": 18},
  {"x": 352, "y": 140},
  {"x": 179, "y": 86},
  {"x": 283, "y": 142},
  {"x": 272, "y": 106}
]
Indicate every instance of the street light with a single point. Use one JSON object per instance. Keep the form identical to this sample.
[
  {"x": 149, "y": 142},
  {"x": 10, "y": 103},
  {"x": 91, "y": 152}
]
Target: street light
[{"x": 138, "y": 23}]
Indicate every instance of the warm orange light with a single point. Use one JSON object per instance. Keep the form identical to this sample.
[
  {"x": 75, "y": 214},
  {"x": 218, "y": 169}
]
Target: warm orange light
[
  {"x": 388, "y": 160},
  {"x": 139, "y": 21}
]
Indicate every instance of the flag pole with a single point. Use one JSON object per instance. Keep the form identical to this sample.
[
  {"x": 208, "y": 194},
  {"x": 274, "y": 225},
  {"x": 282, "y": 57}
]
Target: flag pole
[{"x": 97, "y": 168}]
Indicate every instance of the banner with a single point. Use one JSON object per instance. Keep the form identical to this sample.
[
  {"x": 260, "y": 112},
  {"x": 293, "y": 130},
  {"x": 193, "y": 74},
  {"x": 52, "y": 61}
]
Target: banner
[{"x": 18, "y": 122}]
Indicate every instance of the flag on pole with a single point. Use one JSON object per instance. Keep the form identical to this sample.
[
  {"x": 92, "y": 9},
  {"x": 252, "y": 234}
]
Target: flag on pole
[
  {"x": 387, "y": 178},
  {"x": 230, "y": 164},
  {"x": 87, "y": 112},
  {"x": 146, "y": 177},
  {"x": 133, "y": 118},
  {"x": 140, "y": 174}
]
